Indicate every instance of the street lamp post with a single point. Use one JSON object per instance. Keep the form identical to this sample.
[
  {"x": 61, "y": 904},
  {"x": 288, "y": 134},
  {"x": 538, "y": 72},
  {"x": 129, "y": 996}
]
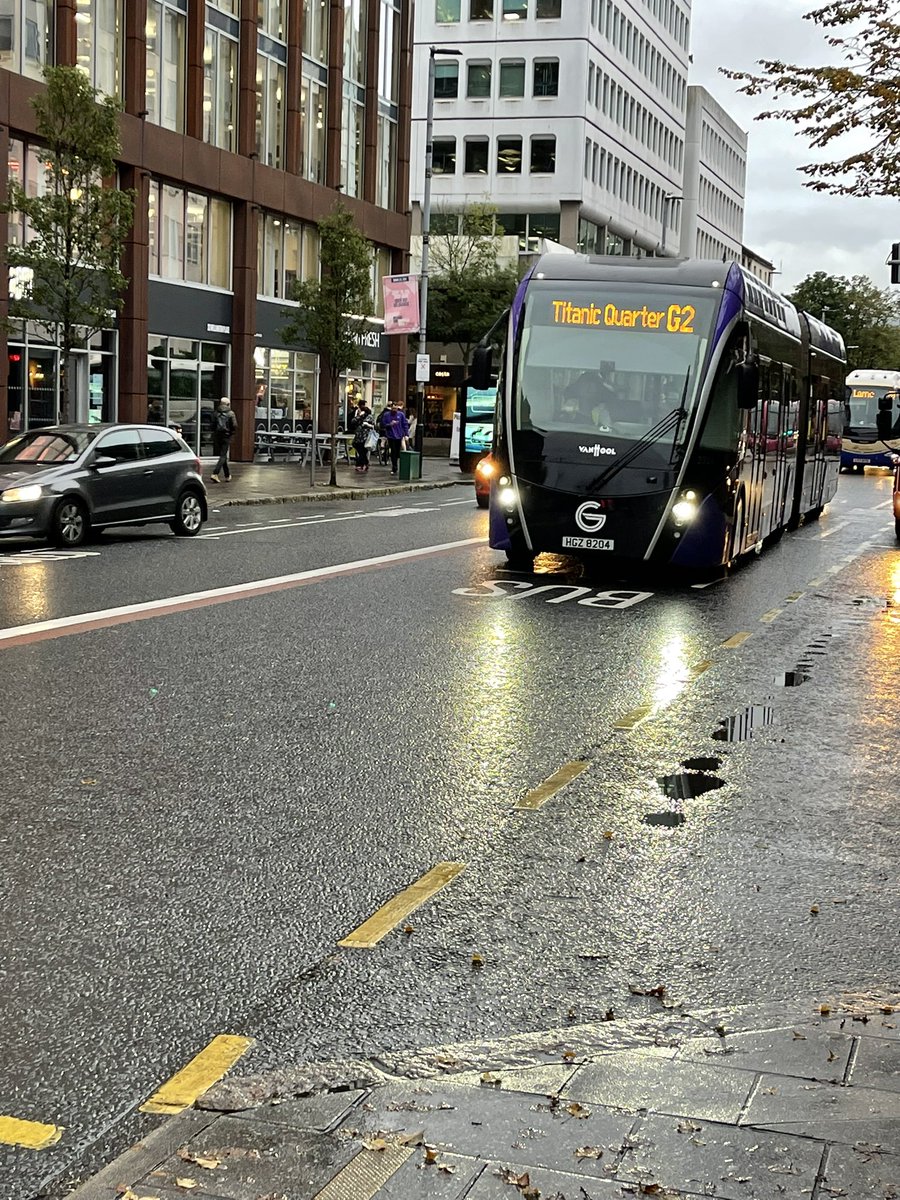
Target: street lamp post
[
  {"x": 668, "y": 199},
  {"x": 433, "y": 53}
]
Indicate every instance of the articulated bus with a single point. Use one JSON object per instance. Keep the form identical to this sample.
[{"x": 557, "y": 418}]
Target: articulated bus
[
  {"x": 668, "y": 411},
  {"x": 862, "y": 446}
]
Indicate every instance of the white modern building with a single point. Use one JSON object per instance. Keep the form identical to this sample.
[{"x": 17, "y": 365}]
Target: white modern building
[{"x": 575, "y": 121}]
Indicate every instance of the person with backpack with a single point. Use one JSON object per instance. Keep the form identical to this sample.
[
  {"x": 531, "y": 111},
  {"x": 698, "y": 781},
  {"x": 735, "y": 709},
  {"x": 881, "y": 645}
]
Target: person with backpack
[
  {"x": 382, "y": 436},
  {"x": 396, "y": 430},
  {"x": 224, "y": 427},
  {"x": 363, "y": 428}
]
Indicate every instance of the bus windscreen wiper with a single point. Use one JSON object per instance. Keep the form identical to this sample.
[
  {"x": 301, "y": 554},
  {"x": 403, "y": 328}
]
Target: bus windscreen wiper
[{"x": 670, "y": 423}]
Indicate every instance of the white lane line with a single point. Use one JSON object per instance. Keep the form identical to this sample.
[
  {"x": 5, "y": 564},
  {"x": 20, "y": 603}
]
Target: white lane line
[
  {"x": 885, "y": 503},
  {"x": 450, "y": 503},
  {"x": 834, "y": 529},
  {"x": 306, "y": 521},
  {"x": 102, "y": 618}
]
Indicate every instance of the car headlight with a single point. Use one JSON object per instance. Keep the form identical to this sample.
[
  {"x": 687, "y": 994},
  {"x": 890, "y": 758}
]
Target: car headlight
[
  {"x": 485, "y": 469},
  {"x": 21, "y": 495},
  {"x": 684, "y": 511}
]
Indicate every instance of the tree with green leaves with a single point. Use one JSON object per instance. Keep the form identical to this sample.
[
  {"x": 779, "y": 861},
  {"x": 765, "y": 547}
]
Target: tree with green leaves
[
  {"x": 860, "y": 95},
  {"x": 866, "y": 316},
  {"x": 331, "y": 317},
  {"x": 68, "y": 276},
  {"x": 468, "y": 288}
]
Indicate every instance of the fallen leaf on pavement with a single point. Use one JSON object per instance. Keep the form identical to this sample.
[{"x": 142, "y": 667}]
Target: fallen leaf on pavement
[
  {"x": 376, "y": 1143},
  {"x": 814, "y": 909},
  {"x": 825, "y": 1009},
  {"x": 588, "y": 1152},
  {"x": 569, "y": 1055},
  {"x": 89, "y": 783},
  {"x": 447, "y": 1169},
  {"x": 477, "y": 960},
  {"x": 408, "y": 929},
  {"x": 578, "y": 1110},
  {"x": 431, "y": 1155},
  {"x": 689, "y": 1127},
  {"x": 798, "y": 1036},
  {"x": 608, "y": 835},
  {"x": 488, "y": 1077},
  {"x": 659, "y": 990},
  {"x": 207, "y": 1161},
  {"x": 412, "y": 1139},
  {"x": 187, "y": 1184}
]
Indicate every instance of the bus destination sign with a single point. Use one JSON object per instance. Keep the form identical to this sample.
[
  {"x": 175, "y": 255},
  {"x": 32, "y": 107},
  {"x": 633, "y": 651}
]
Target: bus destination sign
[{"x": 677, "y": 318}]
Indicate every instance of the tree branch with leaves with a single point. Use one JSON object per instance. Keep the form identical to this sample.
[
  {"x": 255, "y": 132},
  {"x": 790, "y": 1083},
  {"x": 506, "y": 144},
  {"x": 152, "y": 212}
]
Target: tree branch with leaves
[
  {"x": 68, "y": 271},
  {"x": 332, "y": 311},
  {"x": 860, "y": 95}
]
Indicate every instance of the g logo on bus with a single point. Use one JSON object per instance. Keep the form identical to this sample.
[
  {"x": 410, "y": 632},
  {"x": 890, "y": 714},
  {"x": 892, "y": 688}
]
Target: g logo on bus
[{"x": 589, "y": 517}]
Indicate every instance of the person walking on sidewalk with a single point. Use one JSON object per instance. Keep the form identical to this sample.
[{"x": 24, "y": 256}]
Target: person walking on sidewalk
[
  {"x": 224, "y": 427},
  {"x": 362, "y": 424},
  {"x": 396, "y": 430}
]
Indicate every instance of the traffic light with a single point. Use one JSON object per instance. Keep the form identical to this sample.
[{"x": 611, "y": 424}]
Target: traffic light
[{"x": 894, "y": 260}]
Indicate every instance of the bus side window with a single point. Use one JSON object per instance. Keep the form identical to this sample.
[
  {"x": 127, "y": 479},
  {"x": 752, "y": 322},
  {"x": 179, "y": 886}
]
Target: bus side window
[{"x": 723, "y": 418}]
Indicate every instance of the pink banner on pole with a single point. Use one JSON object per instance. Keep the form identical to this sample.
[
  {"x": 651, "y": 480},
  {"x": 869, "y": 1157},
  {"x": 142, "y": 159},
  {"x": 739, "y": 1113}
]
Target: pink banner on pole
[{"x": 401, "y": 303}]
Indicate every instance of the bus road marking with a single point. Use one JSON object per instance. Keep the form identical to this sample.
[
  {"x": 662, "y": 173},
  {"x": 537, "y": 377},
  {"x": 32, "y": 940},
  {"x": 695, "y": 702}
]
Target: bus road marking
[
  {"x": 539, "y": 796},
  {"x": 737, "y": 640},
  {"x": 771, "y": 615},
  {"x": 697, "y": 670},
  {"x": 636, "y": 717},
  {"x": 834, "y": 529},
  {"x": 198, "y": 1076},
  {"x": 370, "y": 933},
  {"x": 494, "y": 589},
  {"x": 30, "y": 1135}
]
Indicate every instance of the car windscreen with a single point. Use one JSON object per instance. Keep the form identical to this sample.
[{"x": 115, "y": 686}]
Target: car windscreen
[
  {"x": 47, "y": 446},
  {"x": 610, "y": 359}
]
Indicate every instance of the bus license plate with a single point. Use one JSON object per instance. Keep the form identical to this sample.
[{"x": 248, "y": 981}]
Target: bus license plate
[{"x": 581, "y": 543}]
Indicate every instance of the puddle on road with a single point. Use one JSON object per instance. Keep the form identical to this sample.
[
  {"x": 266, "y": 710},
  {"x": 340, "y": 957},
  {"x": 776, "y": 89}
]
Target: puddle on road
[
  {"x": 687, "y": 786},
  {"x": 791, "y": 679},
  {"x": 742, "y": 727},
  {"x": 702, "y": 764},
  {"x": 668, "y": 819}
]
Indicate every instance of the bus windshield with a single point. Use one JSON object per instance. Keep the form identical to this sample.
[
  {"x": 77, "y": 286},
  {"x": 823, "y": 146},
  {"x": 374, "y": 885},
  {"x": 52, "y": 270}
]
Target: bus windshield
[
  {"x": 863, "y": 402},
  {"x": 611, "y": 360}
]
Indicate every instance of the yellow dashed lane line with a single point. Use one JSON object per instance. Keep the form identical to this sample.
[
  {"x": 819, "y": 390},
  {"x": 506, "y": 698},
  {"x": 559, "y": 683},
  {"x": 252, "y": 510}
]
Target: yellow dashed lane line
[
  {"x": 539, "y": 796},
  {"x": 30, "y": 1135},
  {"x": 371, "y": 932},
  {"x": 198, "y": 1076},
  {"x": 771, "y": 615},
  {"x": 737, "y": 640}
]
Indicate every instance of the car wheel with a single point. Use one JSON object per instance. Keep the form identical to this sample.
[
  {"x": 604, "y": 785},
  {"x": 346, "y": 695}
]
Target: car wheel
[
  {"x": 188, "y": 515},
  {"x": 71, "y": 523},
  {"x": 482, "y": 501}
]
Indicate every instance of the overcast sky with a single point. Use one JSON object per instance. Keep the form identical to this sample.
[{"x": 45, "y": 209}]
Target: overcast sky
[{"x": 798, "y": 230}]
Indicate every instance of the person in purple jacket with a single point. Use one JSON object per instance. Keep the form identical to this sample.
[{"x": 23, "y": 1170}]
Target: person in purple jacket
[{"x": 396, "y": 430}]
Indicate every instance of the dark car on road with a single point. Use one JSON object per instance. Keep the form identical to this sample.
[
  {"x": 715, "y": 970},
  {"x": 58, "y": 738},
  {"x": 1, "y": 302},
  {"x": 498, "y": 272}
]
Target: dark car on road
[{"x": 66, "y": 481}]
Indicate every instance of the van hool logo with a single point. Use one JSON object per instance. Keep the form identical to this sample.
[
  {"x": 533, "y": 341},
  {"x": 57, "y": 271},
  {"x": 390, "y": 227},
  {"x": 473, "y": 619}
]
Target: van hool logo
[{"x": 596, "y": 450}]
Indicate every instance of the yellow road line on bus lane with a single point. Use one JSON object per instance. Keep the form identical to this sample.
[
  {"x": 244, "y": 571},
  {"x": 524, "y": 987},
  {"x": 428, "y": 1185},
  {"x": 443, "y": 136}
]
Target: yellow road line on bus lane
[
  {"x": 794, "y": 597},
  {"x": 636, "y": 717},
  {"x": 737, "y": 640},
  {"x": 771, "y": 615},
  {"x": 539, "y": 796},
  {"x": 198, "y": 1076},
  {"x": 370, "y": 933},
  {"x": 30, "y": 1135}
]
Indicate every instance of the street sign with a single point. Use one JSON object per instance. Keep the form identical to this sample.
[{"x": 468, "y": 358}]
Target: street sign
[{"x": 423, "y": 368}]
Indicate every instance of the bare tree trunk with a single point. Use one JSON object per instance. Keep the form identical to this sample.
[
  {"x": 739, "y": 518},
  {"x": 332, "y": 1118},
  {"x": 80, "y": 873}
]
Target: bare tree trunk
[{"x": 63, "y": 388}]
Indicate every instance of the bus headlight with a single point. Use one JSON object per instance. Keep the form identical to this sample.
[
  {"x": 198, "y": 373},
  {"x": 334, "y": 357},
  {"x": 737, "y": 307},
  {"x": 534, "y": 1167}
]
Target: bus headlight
[
  {"x": 684, "y": 511},
  {"x": 507, "y": 497}
]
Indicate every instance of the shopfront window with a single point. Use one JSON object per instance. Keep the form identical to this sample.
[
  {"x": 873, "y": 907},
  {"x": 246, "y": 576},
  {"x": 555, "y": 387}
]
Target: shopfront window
[
  {"x": 166, "y": 70},
  {"x": 25, "y": 36},
  {"x": 34, "y": 400},
  {"x": 286, "y": 383},
  {"x": 369, "y": 384},
  {"x": 185, "y": 379},
  {"x": 98, "y": 47},
  {"x": 220, "y": 77}
]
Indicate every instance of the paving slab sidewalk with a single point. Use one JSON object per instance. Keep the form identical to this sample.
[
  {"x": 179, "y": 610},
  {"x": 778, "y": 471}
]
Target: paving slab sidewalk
[
  {"x": 284, "y": 483},
  {"x": 761, "y": 1104}
]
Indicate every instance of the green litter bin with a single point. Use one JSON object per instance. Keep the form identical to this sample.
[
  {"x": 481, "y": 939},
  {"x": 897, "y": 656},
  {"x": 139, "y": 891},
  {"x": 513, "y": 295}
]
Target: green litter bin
[{"x": 410, "y": 464}]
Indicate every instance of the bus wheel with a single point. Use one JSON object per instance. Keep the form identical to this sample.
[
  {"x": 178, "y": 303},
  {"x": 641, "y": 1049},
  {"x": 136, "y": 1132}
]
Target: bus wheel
[
  {"x": 736, "y": 538},
  {"x": 897, "y": 528},
  {"x": 520, "y": 558}
]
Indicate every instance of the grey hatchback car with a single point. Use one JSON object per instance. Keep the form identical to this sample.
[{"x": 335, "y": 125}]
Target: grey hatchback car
[{"x": 64, "y": 481}]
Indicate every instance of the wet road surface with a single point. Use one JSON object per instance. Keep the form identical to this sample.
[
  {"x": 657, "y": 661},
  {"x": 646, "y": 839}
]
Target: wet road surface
[{"x": 199, "y": 806}]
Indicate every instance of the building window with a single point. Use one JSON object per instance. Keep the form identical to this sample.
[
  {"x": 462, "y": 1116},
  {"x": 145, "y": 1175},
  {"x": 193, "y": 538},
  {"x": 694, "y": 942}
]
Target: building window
[
  {"x": 190, "y": 236},
  {"x": 315, "y": 29},
  {"x": 313, "y": 97},
  {"x": 481, "y": 10},
  {"x": 272, "y": 18},
  {"x": 287, "y": 251},
  {"x": 271, "y": 81},
  {"x": 509, "y": 156},
  {"x": 446, "y": 80},
  {"x": 546, "y": 77},
  {"x": 446, "y": 11},
  {"x": 352, "y": 140},
  {"x": 98, "y": 44},
  {"x": 476, "y": 156},
  {"x": 548, "y": 9},
  {"x": 543, "y": 155},
  {"x": 25, "y": 38},
  {"x": 220, "y": 79},
  {"x": 443, "y": 160},
  {"x": 478, "y": 86},
  {"x": 166, "y": 70},
  {"x": 386, "y": 180},
  {"x": 515, "y": 10},
  {"x": 512, "y": 77}
]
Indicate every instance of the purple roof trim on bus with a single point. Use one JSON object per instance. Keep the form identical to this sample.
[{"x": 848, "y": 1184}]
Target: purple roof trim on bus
[
  {"x": 519, "y": 303},
  {"x": 732, "y": 299}
]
